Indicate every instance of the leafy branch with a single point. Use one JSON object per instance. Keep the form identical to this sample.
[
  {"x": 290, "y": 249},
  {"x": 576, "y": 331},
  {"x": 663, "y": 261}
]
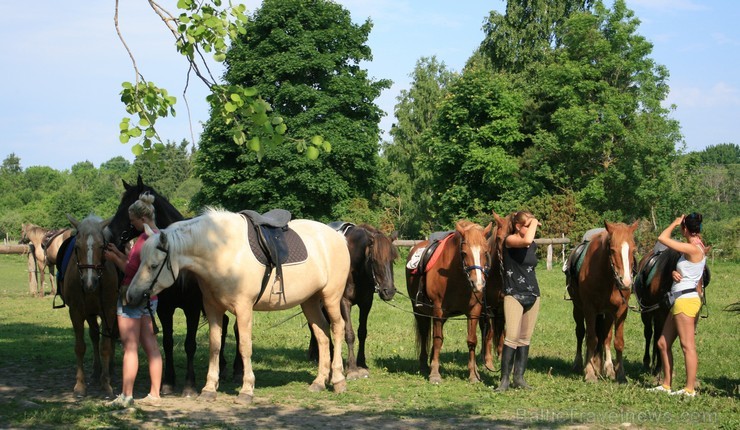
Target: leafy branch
[{"x": 204, "y": 28}]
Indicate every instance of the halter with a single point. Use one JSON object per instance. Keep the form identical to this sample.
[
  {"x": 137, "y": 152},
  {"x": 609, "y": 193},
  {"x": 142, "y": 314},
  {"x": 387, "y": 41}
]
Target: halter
[
  {"x": 468, "y": 269},
  {"x": 620, "y": 283},
  {"x": 98, "y": 268},
  {"x": 168, "y": 263}
]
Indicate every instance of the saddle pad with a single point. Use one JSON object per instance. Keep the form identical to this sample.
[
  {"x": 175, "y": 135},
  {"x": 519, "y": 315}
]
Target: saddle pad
[
  {"x": 415, "y": 258},
  {"x": 435, "y": 255},
  {"x": 296, "y": 248},
  {"x": 66, "y": 252}
]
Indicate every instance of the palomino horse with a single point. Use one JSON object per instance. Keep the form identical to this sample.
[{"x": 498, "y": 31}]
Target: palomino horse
[
  {"x": 91, "y": 291},
  {"x": 216, "y": 247},
  {"x": 451, "y": 284},
  {"x": 600, "y": 291},
  {"x": 187, "y": 296},
  {"x": 372, "y": 254},
  {"x": 44, "y": 244},
  {"x": 653, "y": 281},
  {"x": 492, "y": 326}
]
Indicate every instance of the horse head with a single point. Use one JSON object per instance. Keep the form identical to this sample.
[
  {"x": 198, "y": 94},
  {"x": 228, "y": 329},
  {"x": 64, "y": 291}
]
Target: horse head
[
  {"x": 24, "y": 234},
  {"x": 120, "y": 231},
  {"x": 157, "y": 269},
  {"x": 380, "y": 254},
  {"x": 621, "y": 242},
  {"x": 474, "y": 252},
  {"x": 88, "y": 250}
]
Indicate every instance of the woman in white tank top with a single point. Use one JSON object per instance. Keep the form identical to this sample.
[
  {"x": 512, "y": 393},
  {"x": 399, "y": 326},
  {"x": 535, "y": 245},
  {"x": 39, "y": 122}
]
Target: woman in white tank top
[{"x": 681, "y": 321}]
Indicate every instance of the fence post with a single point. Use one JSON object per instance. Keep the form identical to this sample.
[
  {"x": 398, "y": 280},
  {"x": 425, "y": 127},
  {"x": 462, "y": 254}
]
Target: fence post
[{"x": 549, "y": 257}]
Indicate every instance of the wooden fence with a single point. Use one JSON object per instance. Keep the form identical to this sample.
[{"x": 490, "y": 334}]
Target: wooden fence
[{"x": 545, "y": 241}]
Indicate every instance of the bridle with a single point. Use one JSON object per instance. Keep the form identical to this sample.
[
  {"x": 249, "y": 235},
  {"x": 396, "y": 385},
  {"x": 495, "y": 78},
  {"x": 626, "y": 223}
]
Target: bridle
[
  {"x": 167, "y": 262},
  {"x": 469, "y": 268},
  {"x": 98, "y": 268}
]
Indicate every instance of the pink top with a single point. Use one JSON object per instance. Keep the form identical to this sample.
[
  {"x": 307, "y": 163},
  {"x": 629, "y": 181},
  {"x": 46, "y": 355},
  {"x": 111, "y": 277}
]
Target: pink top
[{"x": 134, "y": 261}]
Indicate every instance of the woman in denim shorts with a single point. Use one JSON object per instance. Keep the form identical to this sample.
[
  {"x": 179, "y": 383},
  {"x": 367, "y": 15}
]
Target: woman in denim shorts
[{"x": 135, "y": 324}]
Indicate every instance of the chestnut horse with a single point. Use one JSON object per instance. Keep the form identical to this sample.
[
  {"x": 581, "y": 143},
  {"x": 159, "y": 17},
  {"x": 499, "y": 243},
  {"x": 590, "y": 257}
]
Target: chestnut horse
[
  {"x": 492, "y": 326},
  {"x": 653, "y": 281},
  {"x": 43, "y": 245},
  {"x": 451, "y": 285},
  {"x": 601, "y": 292},
  {"x": 91, "y": 291},
  {"x": 372, "y": 255},
  {"x": 217, "y": 247}
]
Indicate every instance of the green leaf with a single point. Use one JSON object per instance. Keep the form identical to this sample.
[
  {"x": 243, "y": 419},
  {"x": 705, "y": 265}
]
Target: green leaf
[
  {"x": 219, "y": 58},
  {"x": 254, "y": 144},
  {"x": 137, "y": 150},
  {"x": 124, "y": 137},
  {"x": 312, "y": 153},
  {"x": 144, "y": 123},
  {"x": 317, "y": 140},
  {"x": 327, "y": 146},
  {"x": 229, "y": 107},
  {"x": 135, "y": 132},
  {"x": 281, "y": 129}
]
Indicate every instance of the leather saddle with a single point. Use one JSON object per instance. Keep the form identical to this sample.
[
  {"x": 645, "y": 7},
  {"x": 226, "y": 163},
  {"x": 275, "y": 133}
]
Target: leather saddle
[
  {"x": 572, "y": 267},
  {"x": 426, "y": 259},
  {"x": 65, "y": 253},
  {"x": 273, "y": 243},
  {"x": 341, "y": 226}
]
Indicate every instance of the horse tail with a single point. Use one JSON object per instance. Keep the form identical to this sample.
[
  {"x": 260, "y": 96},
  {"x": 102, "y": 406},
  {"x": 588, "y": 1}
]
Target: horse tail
[
  {"x": 421, "y": 339},
  {"x": 601, "y": 329}
]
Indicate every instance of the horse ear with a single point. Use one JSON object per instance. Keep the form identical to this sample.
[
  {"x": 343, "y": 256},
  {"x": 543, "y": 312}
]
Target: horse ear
[
  {"x": 487, "y": 230},
  {"x": 148, "y": 230},
  {"x": 608, "y": 226},
  {"x": 126, "y": 186},
  {"x": 163, "y": 240},
  {"x": 105, "y": 223},
  {"x": 72, "y": 220},
  {"x": 139, "y": 182},
  {"x": 634, "y": 225},
  {"x": 394, "y": 235}
]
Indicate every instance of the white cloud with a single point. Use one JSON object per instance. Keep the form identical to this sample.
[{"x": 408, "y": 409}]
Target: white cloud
[{"x": 721, "y": 95}]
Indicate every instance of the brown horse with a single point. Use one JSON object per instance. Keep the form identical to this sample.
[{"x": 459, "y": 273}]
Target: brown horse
[
  {"x": 43, "y": 245},
  {"x": 492, "y": 326},
  {"x": 90, "y": 290},
  {"x": 451, "y": 285},
  {"x": 601, "y": 292},
  {"x": 653, "y": 281}
]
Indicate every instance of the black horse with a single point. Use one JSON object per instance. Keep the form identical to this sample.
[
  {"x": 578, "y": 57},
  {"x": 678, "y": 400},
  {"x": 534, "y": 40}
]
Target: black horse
[
  {"x": 653, "y": 281},
  {"x": 372, "y": 254},
  {"x": 185, "y": 295}
]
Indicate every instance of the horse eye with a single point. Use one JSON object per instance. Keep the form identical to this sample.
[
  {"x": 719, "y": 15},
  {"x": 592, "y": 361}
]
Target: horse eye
[{"x": 154, "y": 266}]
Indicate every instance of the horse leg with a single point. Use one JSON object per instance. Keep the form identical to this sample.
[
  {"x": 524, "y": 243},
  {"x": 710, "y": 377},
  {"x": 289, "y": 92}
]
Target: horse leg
[
  {"x": 423, "y": 328},
  {"x": 78, "y": 325},
  {"x": 215, "y": 319},
  {"x": 243, "y": 327},
  {"x": 579, "y": 319},
  {"x": 362, "y": 337},
  {"x": 94, "y": 333},
  {"x": 52, "y": 278},
  {"x": 165, "y": 314},
  {"x": 320, "y": 327},
  {"x": 333, "y": 309},
  {"x": 486, "y": 332},
  {"x": 349, "y": 338},
  {"x": 647, "y": 332},
  {"x": 437, "y": 340},
  {"x": 659, "y": 318},
  {"x": 238, "y": 365},
  {"x": 473, "y": 375},
  {"x": 192, "y": 318},
  {"x": 591, "y": 344},
  {"x": 619, "y": 344},
  {"x": 608, "y": 365}
]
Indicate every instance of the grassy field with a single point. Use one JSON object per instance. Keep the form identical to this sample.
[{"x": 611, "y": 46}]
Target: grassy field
[{"x": 37, "y": 340}]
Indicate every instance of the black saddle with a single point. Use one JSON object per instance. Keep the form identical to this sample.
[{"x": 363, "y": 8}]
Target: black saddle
[
  {"x": 274, "y": 243},
  {"x": 341, "y": 226},
  {"x": 64, "y": 254}
]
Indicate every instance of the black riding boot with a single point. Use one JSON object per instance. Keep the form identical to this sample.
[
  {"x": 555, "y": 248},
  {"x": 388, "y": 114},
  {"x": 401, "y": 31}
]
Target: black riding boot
[
  {"x": 520, "y": 365},
  {"x": 507, "y": 362}
]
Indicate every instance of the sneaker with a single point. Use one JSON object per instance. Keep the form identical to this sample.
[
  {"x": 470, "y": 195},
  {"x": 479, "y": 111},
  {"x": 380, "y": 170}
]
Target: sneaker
[
  {"x": 121, "y": 402},
  {"x": 684, "y": 392},
  {"x": 661, "y": 389},
  {"x": 149, "y": 400}
]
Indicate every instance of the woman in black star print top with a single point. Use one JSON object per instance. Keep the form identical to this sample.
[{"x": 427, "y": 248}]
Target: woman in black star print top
[{"x": 522, "y": 297}]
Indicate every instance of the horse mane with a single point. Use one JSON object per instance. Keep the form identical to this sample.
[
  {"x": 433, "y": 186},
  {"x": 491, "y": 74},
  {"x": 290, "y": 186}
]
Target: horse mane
[
  {"x": 182, "y": 233},
  {"x": 384, "y": 251},
  {"x": 32, "y": 233},
  {"x": 89, "y": 224},
  {"x": 464, "y": 227}
]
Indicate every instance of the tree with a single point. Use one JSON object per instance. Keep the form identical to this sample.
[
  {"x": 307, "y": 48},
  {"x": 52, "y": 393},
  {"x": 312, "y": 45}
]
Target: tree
[
  {"x": 724, "y": 153},
  {"x": 304, "y": 57},
  {"x": 202, "y": 27},
  {"x": 416, "y": 112}
]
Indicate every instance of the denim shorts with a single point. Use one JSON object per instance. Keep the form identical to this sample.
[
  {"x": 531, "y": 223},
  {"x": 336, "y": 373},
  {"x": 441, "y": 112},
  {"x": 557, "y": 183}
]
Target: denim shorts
[{"x": 136, "y": 312}]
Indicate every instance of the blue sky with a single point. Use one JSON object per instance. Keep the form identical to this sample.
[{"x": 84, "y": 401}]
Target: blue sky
[{"x": 62, "y": 67}]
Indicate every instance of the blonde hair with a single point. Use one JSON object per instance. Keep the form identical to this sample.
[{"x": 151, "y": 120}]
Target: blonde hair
[{"x": 144, "y": 207}]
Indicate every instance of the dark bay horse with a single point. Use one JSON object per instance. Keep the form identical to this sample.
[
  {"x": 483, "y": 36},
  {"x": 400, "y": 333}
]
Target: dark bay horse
[
  {"x": 653, "y": 281},
  {"x": 372, "y": 255},
  {"x": 600, "y": 289},
  {"x": 186, "y": 294},
  {"x": 492, "y": 326},
  {"x": 90, "y": 290},
  {"x": 451, "y": 284}
]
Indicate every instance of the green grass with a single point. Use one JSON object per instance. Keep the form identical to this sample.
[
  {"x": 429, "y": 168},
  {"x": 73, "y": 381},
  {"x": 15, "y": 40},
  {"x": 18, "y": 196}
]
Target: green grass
[{"x": 38, "y": 340}]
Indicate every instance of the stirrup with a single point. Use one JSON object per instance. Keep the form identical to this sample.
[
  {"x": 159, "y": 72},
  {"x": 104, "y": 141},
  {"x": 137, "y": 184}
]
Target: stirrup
[{"x": 421, "y": 298}]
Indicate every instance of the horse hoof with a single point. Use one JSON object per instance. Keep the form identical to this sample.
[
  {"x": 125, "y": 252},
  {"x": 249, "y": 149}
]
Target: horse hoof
[
  {"x": 189, "y": 392},
  {"x": 353, "y": 375},
  {"x": 243, "y": 399},
  {"x": 340, "y": 387},
  {"x": 207, "y": 396},
  {"x": 436, "y": 379},
  {"x": 316, "y": 387},
  {"x": 591, "y": 378},
  {"x": 167, "y": 389}
]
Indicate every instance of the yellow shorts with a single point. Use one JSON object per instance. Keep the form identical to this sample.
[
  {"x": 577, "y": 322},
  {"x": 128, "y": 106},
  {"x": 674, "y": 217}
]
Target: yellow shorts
[{"x": 688, "y": 305}]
